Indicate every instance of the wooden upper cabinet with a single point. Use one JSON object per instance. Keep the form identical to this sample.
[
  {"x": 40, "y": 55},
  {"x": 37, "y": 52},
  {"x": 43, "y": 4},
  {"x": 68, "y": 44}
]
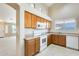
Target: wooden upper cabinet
[
  {"x": 38, "y": 19},
  {"x": 34, "y": 21},
  {"x": 30, "y": 20},
  {"x": 42, "y": 20},
  {"x": 45, "y": 21},
  {"x": 27, "y": 21}
]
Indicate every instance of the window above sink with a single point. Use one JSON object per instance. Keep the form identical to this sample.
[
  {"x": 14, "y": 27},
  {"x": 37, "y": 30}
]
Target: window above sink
[{"x": 65, "y": 25}]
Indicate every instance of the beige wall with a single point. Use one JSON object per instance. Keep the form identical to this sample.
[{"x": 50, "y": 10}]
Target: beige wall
[{"x": 63, "y": 11}]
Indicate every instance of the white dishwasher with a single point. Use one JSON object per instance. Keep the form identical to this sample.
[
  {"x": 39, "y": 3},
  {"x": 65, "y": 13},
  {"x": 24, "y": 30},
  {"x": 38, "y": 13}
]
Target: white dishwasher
[{"x": 72, "y": 42}]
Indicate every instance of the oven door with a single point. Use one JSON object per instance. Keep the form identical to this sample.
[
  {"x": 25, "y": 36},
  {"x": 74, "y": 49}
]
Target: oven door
[{"x": 43, "y": 40}]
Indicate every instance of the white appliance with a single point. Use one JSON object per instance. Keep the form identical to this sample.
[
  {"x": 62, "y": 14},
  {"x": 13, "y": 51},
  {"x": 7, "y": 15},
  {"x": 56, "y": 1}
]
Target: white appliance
[
  {"x": 72, "y": 42},
  {"x": 41, "y": 25},
  {"x": 43, "y": 42},
  {"x": 43, "y": 38}
]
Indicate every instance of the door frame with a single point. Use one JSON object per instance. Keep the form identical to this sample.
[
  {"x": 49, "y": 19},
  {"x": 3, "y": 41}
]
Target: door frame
[{"x": 17, "y": 8}]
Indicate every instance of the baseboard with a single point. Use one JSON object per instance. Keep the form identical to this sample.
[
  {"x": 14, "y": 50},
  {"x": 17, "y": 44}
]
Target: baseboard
[{"x": 72, "y": 48}]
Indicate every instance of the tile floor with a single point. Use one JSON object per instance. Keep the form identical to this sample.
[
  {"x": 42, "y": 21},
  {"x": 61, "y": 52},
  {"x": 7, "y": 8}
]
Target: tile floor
[
  {"x": 8, "y": 46},
  {"x": 54, "y": 50}
]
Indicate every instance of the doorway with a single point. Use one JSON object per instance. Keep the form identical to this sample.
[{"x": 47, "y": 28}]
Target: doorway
[{"x": 10, "y": 29}]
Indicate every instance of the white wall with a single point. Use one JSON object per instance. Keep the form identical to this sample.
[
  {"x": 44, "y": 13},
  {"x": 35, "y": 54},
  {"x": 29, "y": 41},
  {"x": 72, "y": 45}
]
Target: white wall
[{"x": 21, "y": 30}]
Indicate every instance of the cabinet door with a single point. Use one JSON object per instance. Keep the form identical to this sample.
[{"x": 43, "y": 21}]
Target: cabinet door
[
  {"x": 42, "y": 20},
  {"x": 27, "y": 20},
  {"x": 37, "y": 44},
  {"x": 38, "y": 19},
  {"x": 72, "y": 42},
  {"x": 76, "y": 42},
  {"x": 52, "y": 38},
  {"x": 30, "y": 46},
  {"x": 62, "y": 40},
  {"x": 34, "y": 21},
  {"x": 56, "y": 38},
  {"x": 49, "y": 39}
]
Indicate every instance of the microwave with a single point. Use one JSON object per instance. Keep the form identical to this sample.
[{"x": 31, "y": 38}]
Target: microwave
[{"x": 41, "y": 25}]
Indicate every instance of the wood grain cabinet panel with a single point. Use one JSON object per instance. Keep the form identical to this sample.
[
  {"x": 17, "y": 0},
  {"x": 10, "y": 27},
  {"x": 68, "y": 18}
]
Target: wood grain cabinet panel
[
  {"x": 30, "y": 21},
  {"x": 56, "y": 38},
  {"x": 59, "y": 40},
  {"x": 29, "y": 47},
  {"x": 34, "y": 21},
  {"x": 27, "y": 21},
  {"x": 52, "y": 39},
  {"x": 42, "y": 20},
  {"x": 62, "y": 40},
  {"x": 37, "y": 49},
  {"x": 32, "y": 46},
  {"x": 49, "y": 40},
  {"x": 38, "y": 19}
]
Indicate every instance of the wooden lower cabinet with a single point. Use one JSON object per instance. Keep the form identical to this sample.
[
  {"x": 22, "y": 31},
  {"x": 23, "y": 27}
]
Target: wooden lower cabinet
[
  {"x": 31, "y": 46},
  {"x": 55, "y": 39},
  {"x": 49, "y": 41},
  {"x": 59, "y": 40},
  {"x": 37, "y": 45},
  {"x": 62, "y": 40}
]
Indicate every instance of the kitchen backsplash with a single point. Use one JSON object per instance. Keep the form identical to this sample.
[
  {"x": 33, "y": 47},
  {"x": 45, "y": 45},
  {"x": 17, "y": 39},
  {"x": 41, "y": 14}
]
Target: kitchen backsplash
[
  {"x": 40, "y": 32},
  {"x": 32, "y": 32},
  {"x": 29, "y": 32}
]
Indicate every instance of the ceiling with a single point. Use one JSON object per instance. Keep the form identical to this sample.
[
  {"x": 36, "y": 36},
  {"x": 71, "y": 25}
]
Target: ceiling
[{"x": 48, "y": 4}]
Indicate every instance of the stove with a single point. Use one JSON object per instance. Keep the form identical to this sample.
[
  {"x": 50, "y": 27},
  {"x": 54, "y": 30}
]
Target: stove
[
  {"x": 43, "y": 38},
  {"x": 43, "y": 42}
]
